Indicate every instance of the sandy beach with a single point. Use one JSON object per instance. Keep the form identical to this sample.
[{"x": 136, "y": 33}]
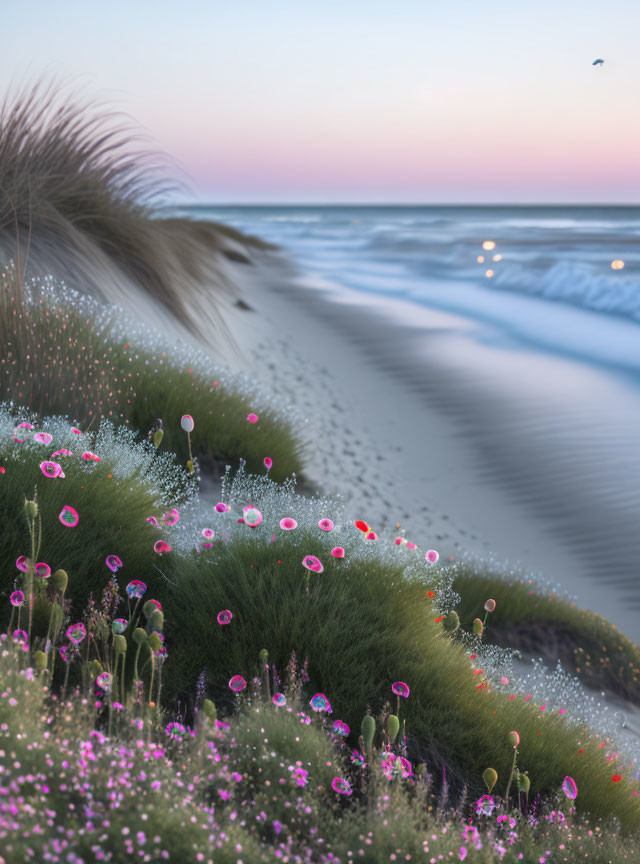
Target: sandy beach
[{"x": 469, "y": 446}]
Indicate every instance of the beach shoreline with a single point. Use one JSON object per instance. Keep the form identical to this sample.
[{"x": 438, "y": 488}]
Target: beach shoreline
[{"x": 404, "y": 419}]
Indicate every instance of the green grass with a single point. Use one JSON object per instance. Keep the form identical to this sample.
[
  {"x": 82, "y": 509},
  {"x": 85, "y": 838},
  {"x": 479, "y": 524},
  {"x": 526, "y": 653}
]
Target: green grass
[
  {"x": 362, "y": 626},
  {"x": 60, "y": 353},
  {"x": 539, "y": 622}
]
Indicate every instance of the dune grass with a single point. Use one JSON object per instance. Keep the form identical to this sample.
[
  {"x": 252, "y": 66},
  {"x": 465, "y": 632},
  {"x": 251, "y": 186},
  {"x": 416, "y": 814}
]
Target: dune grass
[
  {"x": 362, "y": 625},
  {"x": 62, "y": 353},
  {"x": 543, "y": 623},
  {"x": 79, "y": 197}
]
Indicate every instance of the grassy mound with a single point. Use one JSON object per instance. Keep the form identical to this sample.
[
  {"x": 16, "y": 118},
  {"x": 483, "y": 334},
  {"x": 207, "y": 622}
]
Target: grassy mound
[
  {"x": 363, "y": 623},
  {"x": 63, "y": 353},
  {"x": 545, "y": 624}
]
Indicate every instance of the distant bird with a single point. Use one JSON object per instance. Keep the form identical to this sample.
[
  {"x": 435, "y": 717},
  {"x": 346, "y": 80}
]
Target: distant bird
[{"x": 598, "y": 62}]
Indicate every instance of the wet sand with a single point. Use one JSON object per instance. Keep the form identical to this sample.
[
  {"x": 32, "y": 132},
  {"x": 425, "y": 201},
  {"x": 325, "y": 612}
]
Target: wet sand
[{"x": 415, "y": 416}]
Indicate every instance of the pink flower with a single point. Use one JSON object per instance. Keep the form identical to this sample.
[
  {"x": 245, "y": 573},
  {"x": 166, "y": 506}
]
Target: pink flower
[
  {"x": 43, "y": 438},
  {"x": 224, "y": 617},
  {"x": 312, "y": 563},
  {"x": 268, "y": 462},
  {"x": 160, "y": 547},
  {"x": 288, "y": 524},
  {"x": 326, "y": 525},
  {"x": 237, "y": 683},
  {"x": 251, "y": 516},
  {"x": 68, "y": 516},
  {"x": 62, "y": 452},
  {"x": 337, "y": 552},
  {"x": 252, "y": 418},
  {"x": 432, "y": 556},
  {"x": 401, "y": 689},
  {"x": 88, "y": 456},
  {"x": 113, "y": 563},
  {"x": 51, "y": 469},
  {"x": 220, "y": 507},
  {"x": 172, "y": 517}
]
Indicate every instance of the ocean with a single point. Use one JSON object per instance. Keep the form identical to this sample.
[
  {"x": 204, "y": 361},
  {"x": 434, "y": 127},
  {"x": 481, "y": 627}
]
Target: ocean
[{"x": 547, "y": 282}]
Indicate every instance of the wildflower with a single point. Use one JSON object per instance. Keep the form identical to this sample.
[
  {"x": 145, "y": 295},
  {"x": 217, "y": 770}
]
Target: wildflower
[
  {"x": 69, "y": 516},
  {"x": 62, "y": 452},
  {"x": 616, "y": 778},
  {"x": 288, "y": 524},
  {"x": 64, "y": 653},
  {"x": 300, "y": 775},
  {"x": 172, "y": 517},
  {"x": 341, "y": 728},
  {"x": 224, "y": 617},
  {"x": 153, "y": 521},
  {"x": 490, "y": 605},
  {"x": 17, "y": 598},
  {"x": 570, "y": 788},
  {"x": 337, "y": 552},
  {"x": 22, "y": 564},
  {"x": 104, "y": 681},
  {"x": 42, "y": 570},
  {"x": 25, "y": 425},
  {"x": 513, "y": 738},
  {"x": 160, "y": 547},
  {"x": 485, "y": 805},
  {"x": 75, "y": 430},
  {"x": 401, "y": 689},
  {"x": 362, "y": 526},
  {"x": 371, "y": 536},
  {"x": 207, "y": 533},
  {"x": 20, "y": 636},
  {"x": 319, "y": 703},
  {"x": 395, "y": 766},
  {"x": 341, "y": 786},
  {"x": 51, "y": 469},
  {"x": 175, "y": 730},
  {"x": 186, "y": 423},
  {"x": 237, "y": 683},
  {"x": 136, "y": 589},
  {"x": 268, "y": 462},
  {"x": 252, "y": 418},
  {"x": 358, "y": 759},
  {"x": 76, "y": 633},
  {"x": 119, "y": 625},
  {"x": 113, "y": 563},
  {"x": 326, "y": 525},
  {"x": 432, "y": 556},
  {"x": 220, "y": 507},
  {"x": 43, "y": 438},
  {"x": 279, "y": 700},
  {"x": 88, "y": 456},
  {"x": 312, "y": 563},
  {"x": 252, "y": 516}
]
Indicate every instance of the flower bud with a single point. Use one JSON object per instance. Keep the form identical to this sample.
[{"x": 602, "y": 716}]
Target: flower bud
[
  {"x": 209, "y": 710},
  {"x": 139, "y": 636},
  {"x": 368, "y": 730},
  {"x": 393, "y": 726},
  {"x": 478, "y": 627},
  {"x": 157, "y": 438},
  {"x": 31, "y": 508},
  {"x": 490, "y": 777},
  {"x": 39, "y": 660},
  {"x": 190, "y": 467},
  {"x": 60, "y": 580},
  {"x": 513, "y": 738},
  {"x": 156, "y": 622},
  {"x": 264, "y": 656},
  {"x": 523, "y": 783},
  {"x": 154, "y": 642},
  {"x": 119, "y": 644}
]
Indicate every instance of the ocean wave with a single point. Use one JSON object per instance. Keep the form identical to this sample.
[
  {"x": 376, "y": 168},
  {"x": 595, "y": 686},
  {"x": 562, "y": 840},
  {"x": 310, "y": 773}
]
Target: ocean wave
[{"x": 577, "y": 284}]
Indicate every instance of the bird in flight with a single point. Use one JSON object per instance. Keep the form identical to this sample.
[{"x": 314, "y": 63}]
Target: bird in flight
[{"x": 598, "y": 62}]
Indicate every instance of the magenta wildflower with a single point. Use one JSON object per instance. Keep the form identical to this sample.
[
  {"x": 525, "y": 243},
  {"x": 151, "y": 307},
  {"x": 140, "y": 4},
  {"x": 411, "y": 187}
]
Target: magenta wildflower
[
  {"x": 160, "y": 547},
  {"x": 207, "y": 533},
  {"x": 119, "y": 625},
  {"x": 401, "y": 689},
  {"x": 251, "y": 516},
  {"x": 88, "y": 456},
  {"x": 288, "y": 524},
  {"x": 20, "y": 636},
  {"x": 341, "y": 786},
  {"x": 136, "y": 589},
  {"x": 62, "y": 452},
  {"x": 153, "y": 521},
  {"x": 175, "y": 730},
  {"x": 17, "y": 598},
  {"x": 570, "y": 788},
  {"x": 341, "y": 728},
  {"x": 326, "y": 525},
  {"x": 319, "y": 703},
  {"x": 220, "y": 507},
  {"x": 237, "y": 683},
  {"x": 279, "y": 700},
  {"x": 172, "y": 517},
  {"x": 432, "y": 556},
  {"x": 76, "y": 633},
  {"x": 22, "y": 563},
  {"x": 42, "y": 570},
  {"x": 104, "y": 681},
  {"x": 51, "y": 469},
  {"x": 69, "y": 516},
  {"x": 337, "y": 552},
  {"x": 312, "y": 563},
  {"x": 252, "y": 418},
  {"x": 268, "y": 462},
  {"x": 186, "y": 422},
  {"x": 43, "y": 438},
  {"x": 113, "y": 563},
  {"x": 225, "y": 617}
]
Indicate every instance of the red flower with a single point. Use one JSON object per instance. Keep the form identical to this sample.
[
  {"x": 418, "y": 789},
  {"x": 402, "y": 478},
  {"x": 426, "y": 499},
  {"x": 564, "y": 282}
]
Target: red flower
[
  {"x": 431, "y": 593},
  {"x": 616, "y": 778}
]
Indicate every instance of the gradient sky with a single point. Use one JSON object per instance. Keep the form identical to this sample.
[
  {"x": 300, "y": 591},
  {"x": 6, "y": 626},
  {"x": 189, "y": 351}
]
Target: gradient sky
[{"x": 404, "y": 101}]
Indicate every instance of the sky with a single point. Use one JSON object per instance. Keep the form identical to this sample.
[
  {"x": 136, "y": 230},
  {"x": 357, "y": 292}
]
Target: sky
[{"x": 272, "y": 101}]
